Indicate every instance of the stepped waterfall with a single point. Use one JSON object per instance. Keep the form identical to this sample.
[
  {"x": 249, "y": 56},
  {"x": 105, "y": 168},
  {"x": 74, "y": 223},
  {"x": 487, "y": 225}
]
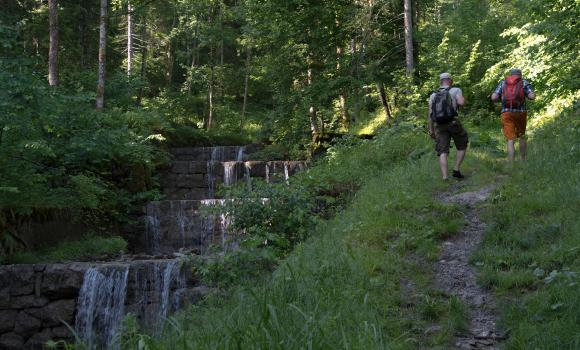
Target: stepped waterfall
[{"x": 154, "y": 288}]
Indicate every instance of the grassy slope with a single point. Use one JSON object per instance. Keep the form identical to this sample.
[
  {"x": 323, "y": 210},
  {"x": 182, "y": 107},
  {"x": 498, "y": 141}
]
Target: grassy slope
[
  {"x": 343, "y": 287},
  {"x": 363, "y": 279},
  {"x": 531, "y": 255}
]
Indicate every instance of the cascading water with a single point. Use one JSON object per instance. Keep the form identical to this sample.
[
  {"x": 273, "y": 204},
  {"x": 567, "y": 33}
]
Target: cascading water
[
  {"x": 156, "y": 291},
  {"x": 240, "y": 154},
  {"x": 185, "y": 221},
  {"x": 217, "y": 155},
  {"x": 230, "y": 173},
  {"x": 153, "y": 226},
  {"x": 247, "y": 175},
  {"x": 286, "y": 175},
  {"x": 101, "y": 306}
]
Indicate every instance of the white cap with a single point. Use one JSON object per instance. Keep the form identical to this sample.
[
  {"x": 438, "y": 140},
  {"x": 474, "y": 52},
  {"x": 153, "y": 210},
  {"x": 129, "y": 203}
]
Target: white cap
[{"x": 445, "y": 76}]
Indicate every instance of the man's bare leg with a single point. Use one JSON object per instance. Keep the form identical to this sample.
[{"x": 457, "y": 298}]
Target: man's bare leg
[
  {"x": 523, "y": 146},
  {"x": 511, "y": 150},
  {"x": 443, "y": 164},
  {"x": 459, "y": 160}
]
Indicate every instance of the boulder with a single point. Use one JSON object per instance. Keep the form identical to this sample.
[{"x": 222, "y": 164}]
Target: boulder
[
  {"x": 62, "y": 282},
  {"x": 22, "y": 302},
  {"x": 38, "y": 340},
  {"x": 26, "y": 325},
  {"x": 11, "y": 341},
  {"x": 55, "y": 313},
  {"x": 7, "y": 318},
  {"x": 21, "y": 278}
]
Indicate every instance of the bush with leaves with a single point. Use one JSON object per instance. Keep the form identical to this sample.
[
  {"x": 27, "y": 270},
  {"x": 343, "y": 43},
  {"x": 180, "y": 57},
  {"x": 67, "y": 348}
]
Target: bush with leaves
[{"x": 57, "y": 153}]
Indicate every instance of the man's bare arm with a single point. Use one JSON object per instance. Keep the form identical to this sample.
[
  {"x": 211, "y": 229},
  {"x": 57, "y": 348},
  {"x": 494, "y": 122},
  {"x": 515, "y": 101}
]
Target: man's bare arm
[{"x": 495, "y": 97}]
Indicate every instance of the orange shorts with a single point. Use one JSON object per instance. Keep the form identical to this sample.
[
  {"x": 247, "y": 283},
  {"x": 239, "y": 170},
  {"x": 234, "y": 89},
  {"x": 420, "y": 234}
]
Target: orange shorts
[{"x": 514, "y": 124}]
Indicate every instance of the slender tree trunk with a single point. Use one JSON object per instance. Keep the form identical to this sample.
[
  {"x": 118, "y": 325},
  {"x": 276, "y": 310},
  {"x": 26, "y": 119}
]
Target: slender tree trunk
[
  {"x": 129, "y": 37},
  {"x": 246, "y": 85},
  {"x": 312, "y": 110},
  {"x": 210, "y": 90},
  {"x": 409, "y": 37},
  {"x": 384, "y": 101},
  {"x": 53, "y": 49},
  {"x": 102, "y": 56},
  {"x": 193, "y": 60},
  {"x": 143, "y": 73},
  {"x": 345, "y": 118},
  {"x": 210, "y": 93}
]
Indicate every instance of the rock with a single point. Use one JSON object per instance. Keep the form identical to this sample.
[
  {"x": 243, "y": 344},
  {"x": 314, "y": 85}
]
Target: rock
[
  {"x": 11, "y": 341},
  {"x": 257, "y": 169},
  {"x": 55, "y": 313},
  {"x": 22, "y": 302},
  {"x": 26, "y": 325},
  {"x": 38, "y": 340},
  {"x": 20, "y": 280},
  {"x": 63, "y": 281},
  {"x": 7, "y": 318},
  {"x": 433, "y": 329},
  {"x": 180, "y": 167},
  {"x": 62, "y": 332}
]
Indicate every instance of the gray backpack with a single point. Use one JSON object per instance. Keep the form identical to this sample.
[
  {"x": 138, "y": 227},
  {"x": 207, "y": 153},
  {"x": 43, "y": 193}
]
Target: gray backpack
[{"x": 442, "y": 110}]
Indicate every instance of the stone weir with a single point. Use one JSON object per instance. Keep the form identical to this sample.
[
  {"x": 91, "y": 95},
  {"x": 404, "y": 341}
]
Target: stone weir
[
  {"x": 40, "y": 302},
  {"x": 190, "y": 184},
  {"x": 44, "y": 302}
]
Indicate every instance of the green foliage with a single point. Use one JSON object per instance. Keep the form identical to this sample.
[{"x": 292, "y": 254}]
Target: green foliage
[
  {"x": 59, "y": 154},
  {"x": 88, "y": 248}
]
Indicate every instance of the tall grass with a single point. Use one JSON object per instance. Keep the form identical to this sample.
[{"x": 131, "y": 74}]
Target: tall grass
[{"x": 531, "y": 254}]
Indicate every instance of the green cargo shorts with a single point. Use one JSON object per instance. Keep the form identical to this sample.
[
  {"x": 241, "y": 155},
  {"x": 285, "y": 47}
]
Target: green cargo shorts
[{"x": 445, "y": 132}]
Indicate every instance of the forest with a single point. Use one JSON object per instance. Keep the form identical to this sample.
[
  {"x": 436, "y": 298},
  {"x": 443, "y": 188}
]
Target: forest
[{"x": 343, "y": 242}]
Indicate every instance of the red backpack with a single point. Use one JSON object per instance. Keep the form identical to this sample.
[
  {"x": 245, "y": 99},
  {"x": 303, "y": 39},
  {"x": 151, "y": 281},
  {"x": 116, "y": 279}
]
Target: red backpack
[{"x": 513, "y": 92}]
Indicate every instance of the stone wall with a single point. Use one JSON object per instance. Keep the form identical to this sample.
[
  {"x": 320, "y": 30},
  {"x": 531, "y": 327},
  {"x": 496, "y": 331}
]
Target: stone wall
[{"x": 38, "y": 301}]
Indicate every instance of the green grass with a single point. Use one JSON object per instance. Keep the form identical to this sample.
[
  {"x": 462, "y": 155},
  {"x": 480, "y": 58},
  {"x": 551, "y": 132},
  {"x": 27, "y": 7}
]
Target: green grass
[
  {"x": 90, "y": 247},
  {"x": 531, "y": 254}
]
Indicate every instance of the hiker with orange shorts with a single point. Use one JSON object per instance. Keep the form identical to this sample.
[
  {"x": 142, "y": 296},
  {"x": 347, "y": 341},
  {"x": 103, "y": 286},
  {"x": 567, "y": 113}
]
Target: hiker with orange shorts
[{"x": 513, "y": 91}]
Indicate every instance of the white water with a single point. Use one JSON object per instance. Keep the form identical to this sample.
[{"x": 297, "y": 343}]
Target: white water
[
  {"x": 230, "y": 173},
  {"x": 247, "y": 175},
  {"x": 156, "y": 291},
  {"x": 240, "y": 154},
  {"x": 286, "y": 176},
  {"x": 101, "y": 306},
  {"x": 152, "y": 227}
]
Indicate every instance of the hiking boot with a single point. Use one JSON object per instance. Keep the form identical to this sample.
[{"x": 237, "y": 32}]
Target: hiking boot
[{"x": 457, "y": 174}]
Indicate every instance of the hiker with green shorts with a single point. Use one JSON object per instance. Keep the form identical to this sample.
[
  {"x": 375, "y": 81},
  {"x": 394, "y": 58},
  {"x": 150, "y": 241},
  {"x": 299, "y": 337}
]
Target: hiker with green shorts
[{"x": 444, "y": 125}]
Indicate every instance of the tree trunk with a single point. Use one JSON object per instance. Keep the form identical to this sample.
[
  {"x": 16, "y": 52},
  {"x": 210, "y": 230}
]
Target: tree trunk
[
  {"x": 143, "y": 73},
  {"x": 102, "y": 55},
  {"x": 384, "y": 101},
  {"x": 312, "y": 110},
  {"x": 129, "y": 37},
  {"x": 210, "y": 96},
  {"x": 246, "y": 85},
  {"x": 193, "y": 60},
  {"x": 345, "y": 118},
  {"x": 408, "y": 37},
  {"x": 53, "y": 49}
]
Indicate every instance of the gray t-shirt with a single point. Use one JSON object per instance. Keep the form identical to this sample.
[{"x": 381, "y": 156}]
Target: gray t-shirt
[{"x": 454, "y": 92}]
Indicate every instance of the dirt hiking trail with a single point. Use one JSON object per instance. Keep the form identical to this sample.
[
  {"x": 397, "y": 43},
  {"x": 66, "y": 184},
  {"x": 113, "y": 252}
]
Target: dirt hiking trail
[{"x": 456, "y": 277}]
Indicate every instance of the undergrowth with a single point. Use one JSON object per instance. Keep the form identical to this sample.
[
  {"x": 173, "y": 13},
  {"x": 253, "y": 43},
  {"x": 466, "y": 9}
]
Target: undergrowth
[{"x": 88, "y": 248}]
